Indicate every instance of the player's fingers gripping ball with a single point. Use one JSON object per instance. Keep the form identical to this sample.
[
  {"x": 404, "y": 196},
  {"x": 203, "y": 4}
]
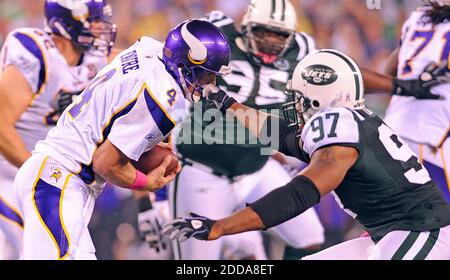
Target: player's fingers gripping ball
[{"x": 158, "y": 157}]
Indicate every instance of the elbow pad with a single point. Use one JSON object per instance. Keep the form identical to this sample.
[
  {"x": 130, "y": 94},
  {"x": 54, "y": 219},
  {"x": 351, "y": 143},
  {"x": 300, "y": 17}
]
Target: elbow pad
[{"x": 286, "y": 202}]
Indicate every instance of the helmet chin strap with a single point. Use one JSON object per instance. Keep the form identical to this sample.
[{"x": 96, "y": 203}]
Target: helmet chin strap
[{"x": 188, "y": 94}]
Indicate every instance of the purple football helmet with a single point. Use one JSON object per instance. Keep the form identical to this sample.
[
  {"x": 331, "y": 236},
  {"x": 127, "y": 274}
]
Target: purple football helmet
[
  {"x": 84, "y": 22},
  {"x": 192, "y": 49}
]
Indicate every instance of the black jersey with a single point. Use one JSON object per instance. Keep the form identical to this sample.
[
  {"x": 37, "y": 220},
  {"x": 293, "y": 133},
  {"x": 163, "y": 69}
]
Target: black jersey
[
  {"x": 250, "y": 83},
  {"x": 387, "y": 188}
]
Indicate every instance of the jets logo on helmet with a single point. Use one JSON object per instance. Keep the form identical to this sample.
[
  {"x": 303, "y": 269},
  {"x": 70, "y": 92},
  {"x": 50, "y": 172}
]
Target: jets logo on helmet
[
  {"x": 326, "y": 78},
  {"x": 319, "y": 75}
]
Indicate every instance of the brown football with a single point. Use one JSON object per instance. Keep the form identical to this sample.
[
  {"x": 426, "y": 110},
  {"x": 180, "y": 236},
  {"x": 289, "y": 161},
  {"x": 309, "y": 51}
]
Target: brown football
[{"x": 153, "y": 158}]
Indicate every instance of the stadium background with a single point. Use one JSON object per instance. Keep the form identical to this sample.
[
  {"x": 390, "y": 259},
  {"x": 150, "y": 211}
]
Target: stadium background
[{"x": 349, "y": 26}]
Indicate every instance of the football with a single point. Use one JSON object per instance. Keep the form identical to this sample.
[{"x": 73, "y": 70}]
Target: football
[{"x": 153, "y": 158}]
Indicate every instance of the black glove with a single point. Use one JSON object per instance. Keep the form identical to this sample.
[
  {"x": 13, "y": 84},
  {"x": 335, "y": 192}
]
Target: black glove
[
  {"x": 434, "y": 74},
  {"x": 64, "y": 99},
  {"x": 196, "y": 226},
  {"x": 217, "y": 98}
]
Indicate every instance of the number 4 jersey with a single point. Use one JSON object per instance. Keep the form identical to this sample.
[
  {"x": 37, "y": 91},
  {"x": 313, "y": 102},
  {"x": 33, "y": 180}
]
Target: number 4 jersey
[
  {"x": 387, "y": 188},
  {"x": 133, "y": 102}
]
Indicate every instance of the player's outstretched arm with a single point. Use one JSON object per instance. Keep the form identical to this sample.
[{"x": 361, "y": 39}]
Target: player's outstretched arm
[
  {"x": 252, "y": 119},
  {"x": 115, "y": 167},
  {"x": 420, "y": 88},
  {"x": 326, "y": 171},
  {"x": 15, "y": 97}
]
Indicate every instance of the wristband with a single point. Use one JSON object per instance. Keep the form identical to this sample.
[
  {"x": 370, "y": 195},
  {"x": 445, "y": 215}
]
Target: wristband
[{"x": 140, "y": 182}]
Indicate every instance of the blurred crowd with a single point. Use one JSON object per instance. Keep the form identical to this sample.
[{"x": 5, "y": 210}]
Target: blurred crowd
[{"x": 367, "y": 35}]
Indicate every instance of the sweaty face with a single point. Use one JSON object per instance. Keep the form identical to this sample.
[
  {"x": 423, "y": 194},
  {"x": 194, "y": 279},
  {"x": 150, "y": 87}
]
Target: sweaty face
[
  {"x": 200, "y": 79},
  {"x": 100, "y": 36},
  {"x": 269, "y": 42}
]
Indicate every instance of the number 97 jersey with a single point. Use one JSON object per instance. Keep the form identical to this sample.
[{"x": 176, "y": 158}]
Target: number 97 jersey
[{"x": 387, "y": 188}]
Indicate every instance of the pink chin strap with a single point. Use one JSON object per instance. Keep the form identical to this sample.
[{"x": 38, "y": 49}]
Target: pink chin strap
[{"x": 267, "y": 58}]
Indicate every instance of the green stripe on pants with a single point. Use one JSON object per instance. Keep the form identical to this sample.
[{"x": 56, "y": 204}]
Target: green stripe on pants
[
  {"x": 431, "y": 240},
  {"x": 406, "y": 245}
]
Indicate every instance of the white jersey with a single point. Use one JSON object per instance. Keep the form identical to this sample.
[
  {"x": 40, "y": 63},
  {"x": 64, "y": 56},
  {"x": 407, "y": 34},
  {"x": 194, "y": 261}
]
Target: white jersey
[
  {"x": 133, "y": 102},
  {"x": 422, "y": 121},
  {"x": 33, "y": 52}
]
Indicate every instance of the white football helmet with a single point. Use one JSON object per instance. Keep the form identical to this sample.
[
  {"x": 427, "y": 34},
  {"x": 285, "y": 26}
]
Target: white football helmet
[
  {"x": 326, "y": 78},
  {"x": 274, "y": 16}
]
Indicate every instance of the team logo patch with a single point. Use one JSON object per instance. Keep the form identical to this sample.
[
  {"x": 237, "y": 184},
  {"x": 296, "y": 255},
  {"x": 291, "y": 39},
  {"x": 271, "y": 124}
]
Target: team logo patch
[
  {"x": 319, "y": 75},
  {"x": 56, "y": 174},
  {"x": 282, "y": 64},
  {"x": 196, "y": 224}
]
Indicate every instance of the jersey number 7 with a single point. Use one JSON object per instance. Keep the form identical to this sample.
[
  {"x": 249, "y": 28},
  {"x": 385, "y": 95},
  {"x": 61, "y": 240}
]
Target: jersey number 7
[{"x": 427, "y": 37}]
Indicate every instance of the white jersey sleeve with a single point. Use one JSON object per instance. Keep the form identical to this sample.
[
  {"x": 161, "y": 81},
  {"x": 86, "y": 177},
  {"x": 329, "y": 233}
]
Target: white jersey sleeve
[
  {"x": 147, "y": 123},
  {"x": 331, "y": 126},
  {"x": 22, "y": 52}
]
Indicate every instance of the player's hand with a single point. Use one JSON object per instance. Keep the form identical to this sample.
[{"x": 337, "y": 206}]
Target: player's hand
[
  {"x": 217, "y": 98},
  {"x": 150, "y": 224},
  {"x": 64, "y": 99},
  {"x": 433, "y": 75},
  {"x": 196, "y": 226},
  {"x": 156, "y": 177},
  {"x": 292, "y": 165}
]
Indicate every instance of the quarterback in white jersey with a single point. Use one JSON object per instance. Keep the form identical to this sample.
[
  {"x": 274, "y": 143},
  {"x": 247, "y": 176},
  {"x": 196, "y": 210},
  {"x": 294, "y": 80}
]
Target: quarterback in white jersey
[
  {"x": 40, "y": 71},
  {"x": 425, "y": 39},
  {"x": 131, "y": 106}
]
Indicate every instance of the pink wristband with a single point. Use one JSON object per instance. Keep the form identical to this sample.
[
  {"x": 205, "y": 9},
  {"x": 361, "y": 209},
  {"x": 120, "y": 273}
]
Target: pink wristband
[{"x": 140, "y": 182}]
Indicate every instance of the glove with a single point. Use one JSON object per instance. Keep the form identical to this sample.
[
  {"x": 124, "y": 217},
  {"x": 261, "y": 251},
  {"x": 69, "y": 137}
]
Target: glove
[
  {"x": 434, "y": 74},
  {"x": 64, "y": 99},
  {"x": 217, "y": 98},
  {"x": 182, "y": 229},
  {"x": 60, "y": 103},
  {"x": 150, "y": 224}
]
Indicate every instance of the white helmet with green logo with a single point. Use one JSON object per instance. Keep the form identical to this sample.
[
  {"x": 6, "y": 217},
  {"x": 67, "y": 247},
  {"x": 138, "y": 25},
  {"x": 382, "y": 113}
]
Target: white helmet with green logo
[{"x": 326, "y": 78}]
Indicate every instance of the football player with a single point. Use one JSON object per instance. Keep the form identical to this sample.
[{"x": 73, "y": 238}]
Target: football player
[
  {"x": 40, "y": 72},
  {"x": 351, "y": 153},
  {"x": 131, "y": 106},
  {"x": 263, "y": 57},
  {"x": 425, "y": 124}
]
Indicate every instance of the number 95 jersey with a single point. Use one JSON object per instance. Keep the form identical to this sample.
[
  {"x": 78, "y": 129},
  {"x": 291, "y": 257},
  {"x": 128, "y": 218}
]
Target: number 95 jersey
[
  {"x": 133, "y": 102},
  {"x": 33, "y": 53}
]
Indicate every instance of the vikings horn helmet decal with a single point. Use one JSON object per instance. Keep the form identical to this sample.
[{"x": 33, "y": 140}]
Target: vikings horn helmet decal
[{"x": 198, "y": 53}]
